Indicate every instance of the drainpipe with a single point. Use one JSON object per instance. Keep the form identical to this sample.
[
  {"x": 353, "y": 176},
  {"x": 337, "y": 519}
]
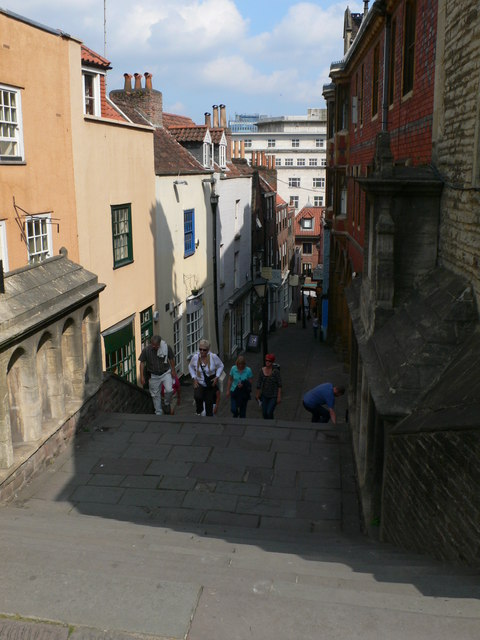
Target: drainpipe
[
  {"x": 386, "y": 68},
  {"x": 214, "y": 204},
  {"x": 2, "y": 279}
]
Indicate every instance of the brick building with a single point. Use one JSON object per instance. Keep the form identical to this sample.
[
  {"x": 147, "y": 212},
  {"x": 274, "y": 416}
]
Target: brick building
[{"x": 402, "y": 184}]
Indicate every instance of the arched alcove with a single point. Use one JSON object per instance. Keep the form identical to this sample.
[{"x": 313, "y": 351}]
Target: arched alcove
[
  {"x": 23, "y": 398},
  {"x": 49, "y": 375},
  {"x": 91, "y": 348},
  {"x": 72, "y": 363}
]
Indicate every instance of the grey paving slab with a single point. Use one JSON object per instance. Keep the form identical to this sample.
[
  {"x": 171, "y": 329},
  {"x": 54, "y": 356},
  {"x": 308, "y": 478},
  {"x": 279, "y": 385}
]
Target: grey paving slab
[
  {"x": 168, "y": 468},
  {"x": 151, "y": 498},
  {"x": 208, "y": 501},
  {"x": 140, "y": 450},
  {"x": 250, "y": 443},
  {"x": 240, "y": 488},
  {"x": 140, "y": 482},
  {"x": 189, "y": 453},
  {"x": 240, "y": 457},
  {"x": 120, "y": 466},
  {"x": 105, "y": 495},
  {"x": 105, "y": 480},
  {"x": 217, "y": 472},
  {"x": 179, "y": 438}
]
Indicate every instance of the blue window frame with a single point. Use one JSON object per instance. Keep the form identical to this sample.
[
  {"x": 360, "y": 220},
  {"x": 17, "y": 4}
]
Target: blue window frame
[{"x": 189, "y": 231}]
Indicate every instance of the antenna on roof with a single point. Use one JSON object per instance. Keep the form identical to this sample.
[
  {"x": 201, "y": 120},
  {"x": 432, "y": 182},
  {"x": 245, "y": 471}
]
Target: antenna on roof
[
  {"x": 105, "y": 35},
  {"x": 104, "y": 28}
]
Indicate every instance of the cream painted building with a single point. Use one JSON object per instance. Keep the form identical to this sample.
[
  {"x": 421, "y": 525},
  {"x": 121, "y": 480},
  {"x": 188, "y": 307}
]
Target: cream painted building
[{"x": 80, "y": 176}]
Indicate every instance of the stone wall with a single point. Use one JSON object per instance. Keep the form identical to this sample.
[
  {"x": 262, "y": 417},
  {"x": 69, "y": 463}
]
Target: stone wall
[
  {"x": 430, "y": 494},
  {"x": 113, "y": 395},
  {"x": 457, "y": 137}
]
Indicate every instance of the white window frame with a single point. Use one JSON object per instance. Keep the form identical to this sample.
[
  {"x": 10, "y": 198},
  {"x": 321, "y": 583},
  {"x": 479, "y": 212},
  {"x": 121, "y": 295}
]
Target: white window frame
[
  {"x": 319, "y": 183},
  {"x": 324, "y": 162},
  {"x": 306, "y": 223},
  {"x": 194, "y": 330},
  {"x": 289, "y": 162},
  {"x": 96, "y": 98},
  {"x": 223, "y": 156},
  {"x": 3, "y": 244},
  {"x": 294, "y": 182},
  {"x": 178, "y": 344},
  {"x": 271, "y": 143},
  {"x": 7, "y": 123},
  {"x": 301, "y": 162},
  {"x": 318, "y": 201},
  {"x": 278, "y": 162},
  {"x": 313, "y": 162},
  {"x": 247, "y": 143},
  {"x": 295, "y": 143},
  {"x": 43, "y": 224},
  {"x": 294, "y": 200}
]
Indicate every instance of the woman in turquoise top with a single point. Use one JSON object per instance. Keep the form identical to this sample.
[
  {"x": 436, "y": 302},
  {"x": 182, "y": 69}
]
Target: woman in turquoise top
[{"x": 239, "y": 387}]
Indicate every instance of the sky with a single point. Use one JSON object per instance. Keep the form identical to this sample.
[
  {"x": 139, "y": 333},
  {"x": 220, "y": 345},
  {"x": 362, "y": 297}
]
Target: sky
[{"x": 270, "y": 57}]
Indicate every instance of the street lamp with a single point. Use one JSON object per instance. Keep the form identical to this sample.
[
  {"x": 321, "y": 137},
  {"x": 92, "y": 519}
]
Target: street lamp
[
  {"x": 261, "y": 289},
  {"x": 302, "y": 302}
]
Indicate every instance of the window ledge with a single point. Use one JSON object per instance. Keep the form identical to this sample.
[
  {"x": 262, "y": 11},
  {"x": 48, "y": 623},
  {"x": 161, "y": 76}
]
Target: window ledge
[{"x": 14, "y": 162}]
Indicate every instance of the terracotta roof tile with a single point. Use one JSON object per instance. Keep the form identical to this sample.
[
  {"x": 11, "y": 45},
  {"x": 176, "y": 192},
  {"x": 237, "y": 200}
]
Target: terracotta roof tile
[
  {"x": 309, "y": 212},
  {"x": 171, "y": 158},
  {"x": 174, "y": 120},
  {"x": 89, "y": 57},
  {"x": 195, "y": 133}
]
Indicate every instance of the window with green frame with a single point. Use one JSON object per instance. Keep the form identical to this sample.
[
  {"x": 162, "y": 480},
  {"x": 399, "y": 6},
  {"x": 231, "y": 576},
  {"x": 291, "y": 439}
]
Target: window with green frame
[
  {"x": 122, "y": 235},
  {"x": 120, "y": 353},
  {"x": 146, "y": 326}
]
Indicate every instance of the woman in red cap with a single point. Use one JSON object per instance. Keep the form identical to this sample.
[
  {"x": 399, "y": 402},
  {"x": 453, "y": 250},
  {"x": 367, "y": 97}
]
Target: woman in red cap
[{"x": 269, "y": 387}]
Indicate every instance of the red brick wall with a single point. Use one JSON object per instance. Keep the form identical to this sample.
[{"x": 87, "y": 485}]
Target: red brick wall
[{"x": 409, "y": 119}]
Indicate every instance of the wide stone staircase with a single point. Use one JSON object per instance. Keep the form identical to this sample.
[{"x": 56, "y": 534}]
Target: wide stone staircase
[{"x": 170, "y": 527}]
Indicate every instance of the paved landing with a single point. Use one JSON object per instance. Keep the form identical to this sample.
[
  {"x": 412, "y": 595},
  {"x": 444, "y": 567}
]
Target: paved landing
[{"x": 295, "y": 477}]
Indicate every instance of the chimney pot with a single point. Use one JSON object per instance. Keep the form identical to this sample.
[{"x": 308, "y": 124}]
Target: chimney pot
[
  {"x": 215, "y": 115},
  {"x": 128, "y": 83},
  {"x": 148, "y": 81},
  {"x": 208, "y": 119},
  {"x": 138, "y": 81},
  {"x": 223, "y": 116}
]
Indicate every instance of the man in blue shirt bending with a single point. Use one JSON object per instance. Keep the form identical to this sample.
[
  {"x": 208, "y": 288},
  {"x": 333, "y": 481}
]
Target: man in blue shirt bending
[{"x": 324, "y": 394}]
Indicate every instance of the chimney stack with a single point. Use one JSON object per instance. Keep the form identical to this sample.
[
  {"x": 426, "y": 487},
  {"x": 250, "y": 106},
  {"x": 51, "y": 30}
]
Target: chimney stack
[
  {"x": 128, "y": 83},
  {"x": 365, "y": 7},
  {"x": 215, "y": 116},
  {"x": 148, "y": 81},
  {"x": 242, "y": 148},
  {"x": 208, "y": 119},
  {"x": 138, "y": 81},
  {"x": 223, "y": 116}
]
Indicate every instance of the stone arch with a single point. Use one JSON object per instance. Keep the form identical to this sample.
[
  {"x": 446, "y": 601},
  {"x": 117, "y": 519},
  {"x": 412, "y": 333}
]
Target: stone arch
[
  {"x": 72, "y": 363},
  {"x": 91, "y": 348},
  {"x": 49, "y": 376},
  {"x": 23, "y": 398}
]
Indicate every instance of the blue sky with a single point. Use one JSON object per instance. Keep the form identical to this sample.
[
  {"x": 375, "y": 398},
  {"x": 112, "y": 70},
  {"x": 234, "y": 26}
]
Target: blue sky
[{"x": 255, "y": 56}]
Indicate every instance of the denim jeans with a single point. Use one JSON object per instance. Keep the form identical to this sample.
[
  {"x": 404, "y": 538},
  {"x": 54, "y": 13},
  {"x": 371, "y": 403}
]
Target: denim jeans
[{"x": 268, "y": 407}]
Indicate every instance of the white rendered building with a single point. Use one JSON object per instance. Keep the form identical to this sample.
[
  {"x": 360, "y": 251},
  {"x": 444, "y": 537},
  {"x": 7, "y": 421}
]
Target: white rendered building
[{"x": 299, "y": 146}]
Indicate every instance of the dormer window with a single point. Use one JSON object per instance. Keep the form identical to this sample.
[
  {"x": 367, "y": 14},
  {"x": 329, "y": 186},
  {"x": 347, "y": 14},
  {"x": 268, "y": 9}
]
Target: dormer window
[
  {"x": 207, "y": 151},
  {"x": 223, "y": 155},
  {"x": 91, "y": 93},
  {"x": 307, "y": 223}
]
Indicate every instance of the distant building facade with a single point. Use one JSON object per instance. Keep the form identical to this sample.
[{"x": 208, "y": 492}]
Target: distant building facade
[{"x": 298, "y": 144}]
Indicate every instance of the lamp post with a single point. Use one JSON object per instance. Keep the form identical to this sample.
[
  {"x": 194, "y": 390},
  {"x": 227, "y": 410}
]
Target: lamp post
[
  {"x": 261, "y": 289},
  {"x": 302, "y": 302}
]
